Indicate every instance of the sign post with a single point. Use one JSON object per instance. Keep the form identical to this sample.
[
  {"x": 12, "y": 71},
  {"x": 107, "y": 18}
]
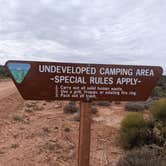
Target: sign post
[
  {"x": 84, "y": 134},
  {"x": 79, "y": 82}
]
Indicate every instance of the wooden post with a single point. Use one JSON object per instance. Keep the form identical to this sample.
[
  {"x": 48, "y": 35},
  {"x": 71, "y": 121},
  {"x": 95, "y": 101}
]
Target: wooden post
[{"x": 84, "y": 134}]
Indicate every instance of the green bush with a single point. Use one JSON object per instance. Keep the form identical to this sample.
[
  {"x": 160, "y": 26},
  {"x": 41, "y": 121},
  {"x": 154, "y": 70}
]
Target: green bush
[
  {"x": 3, "y": 72},
  {"x": 71, "y": 108},
  {"x": 145, "y": 156},
  {"x": 136, "y": 107},
  {"x": 136, "y": 131},
  {"x": 103, "y": 103},
  {"x": 160, "y": 89},
  {"x": 157, "y": 92},
  {"x": 130, "y": 130},
  {"x": 159, "y": 110}
]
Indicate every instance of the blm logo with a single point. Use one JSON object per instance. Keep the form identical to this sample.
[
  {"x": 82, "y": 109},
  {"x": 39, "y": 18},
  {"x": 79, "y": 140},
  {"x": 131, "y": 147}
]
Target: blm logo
[{"x": 18, "y": 71}]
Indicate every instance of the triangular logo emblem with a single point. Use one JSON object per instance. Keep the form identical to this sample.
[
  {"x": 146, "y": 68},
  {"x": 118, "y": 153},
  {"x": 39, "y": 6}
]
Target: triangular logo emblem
[{"x": 19, "y": 71}]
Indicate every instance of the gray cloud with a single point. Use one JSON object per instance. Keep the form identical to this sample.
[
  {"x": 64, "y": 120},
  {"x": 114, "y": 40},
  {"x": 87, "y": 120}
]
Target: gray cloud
[{"x": 96, "y": 31}]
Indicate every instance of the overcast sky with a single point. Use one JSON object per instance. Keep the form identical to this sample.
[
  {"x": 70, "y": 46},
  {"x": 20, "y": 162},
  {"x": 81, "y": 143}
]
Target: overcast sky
[{"x": 91, "y": 31}]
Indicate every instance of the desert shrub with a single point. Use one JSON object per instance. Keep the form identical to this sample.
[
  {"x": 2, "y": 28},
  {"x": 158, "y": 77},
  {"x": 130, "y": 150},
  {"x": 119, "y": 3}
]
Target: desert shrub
[
  {"x": 71, "y": 108},
  {"x": 148, "y": 103},
  {"x": 30, "y": 105},
  {"x": 14, "y": 146},
  {"x": 29, "y": 110},
  {"x": 150, "y": 123},
  {"x": 145, "y": 156},
  {"x": 50, "y": 146},
  {"x": 93, "y": 103},
  {"x": 163, "y": 131},
  {"x": 136, "y": 107},
  {"x": 139, "y": 106},
  {"x": 160, "y": 89},
  {"x": 157, "y": 92},
  {"x": 135, "y": 131},
  {"x": 77, "y": 117},
  {"x": 3, "y": 72},
  {"x": 159, "y": 136},
  {"x": 38, "y": 108},
  {"x": 117, "y": 102},
  {"x": 72, "y": 102},
  {"x": 130, "y": 130},
  {"x": 103, "y": 103},
  {"x": 159, "y": 110},
  {"x": 94, "y": 110},
  {"x": 18, "y": 118}
]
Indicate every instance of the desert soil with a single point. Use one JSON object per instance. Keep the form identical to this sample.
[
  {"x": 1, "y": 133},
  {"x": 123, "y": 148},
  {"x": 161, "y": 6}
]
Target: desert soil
[{"x": 38, "y": 133}]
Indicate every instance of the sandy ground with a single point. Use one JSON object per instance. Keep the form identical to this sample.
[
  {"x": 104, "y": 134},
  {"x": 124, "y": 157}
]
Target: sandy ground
[
  {"x": 10, "y": 100},
  {"x": 7, "y": 88},
  {"x": 38, "y": 133}
]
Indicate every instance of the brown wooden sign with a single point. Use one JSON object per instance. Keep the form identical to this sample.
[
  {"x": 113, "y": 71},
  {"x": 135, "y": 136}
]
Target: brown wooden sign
[{"x": 71, "y": 81}]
